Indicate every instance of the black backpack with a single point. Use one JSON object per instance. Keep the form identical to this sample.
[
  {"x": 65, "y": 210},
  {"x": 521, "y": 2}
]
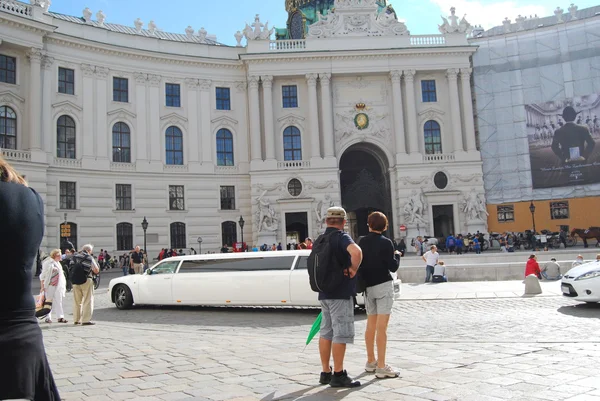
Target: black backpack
[
  {"x": 325, "y": 272},
  {"x": 79, "y": 272}
]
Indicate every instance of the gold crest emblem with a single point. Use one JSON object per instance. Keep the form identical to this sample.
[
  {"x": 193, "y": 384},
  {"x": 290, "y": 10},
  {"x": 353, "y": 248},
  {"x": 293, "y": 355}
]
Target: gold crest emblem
[{"x": 361, "y": 120}]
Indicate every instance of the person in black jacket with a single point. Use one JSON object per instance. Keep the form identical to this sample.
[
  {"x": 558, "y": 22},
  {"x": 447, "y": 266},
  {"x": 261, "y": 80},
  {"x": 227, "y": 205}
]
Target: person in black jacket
[
  {"x": 379, "y": 259},
  {"x": 23, "y": 363}
]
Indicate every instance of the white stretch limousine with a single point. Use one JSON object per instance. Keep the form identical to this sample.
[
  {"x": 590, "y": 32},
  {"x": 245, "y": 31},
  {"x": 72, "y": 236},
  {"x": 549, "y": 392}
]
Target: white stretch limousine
[{"x": 236, "y": 279}]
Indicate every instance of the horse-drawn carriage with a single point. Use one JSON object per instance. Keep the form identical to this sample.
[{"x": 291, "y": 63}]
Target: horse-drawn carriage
[{"x": 590, "y": 233}]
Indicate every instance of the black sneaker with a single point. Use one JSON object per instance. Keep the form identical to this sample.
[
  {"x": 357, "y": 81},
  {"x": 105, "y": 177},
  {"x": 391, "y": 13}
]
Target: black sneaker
[
  {"x": 326, "y": 377},
  {"x": 343, "y": 380}
]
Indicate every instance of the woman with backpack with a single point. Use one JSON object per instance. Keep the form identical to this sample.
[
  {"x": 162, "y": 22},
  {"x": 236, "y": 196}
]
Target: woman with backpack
[{"x": 379, "y": 260}]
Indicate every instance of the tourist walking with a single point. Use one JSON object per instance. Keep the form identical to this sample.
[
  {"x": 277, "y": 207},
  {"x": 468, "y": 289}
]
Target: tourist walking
[
  {"x": 54, "y": 285},
  {"x": 337, "y": 306},
  {"x": 83, "y": 285},
  {"x": 23, "y": 362},
  {"x": 137, "y": 261},
  {"x": 379, "y": 260},
  {"x": 430, "y": 258}
]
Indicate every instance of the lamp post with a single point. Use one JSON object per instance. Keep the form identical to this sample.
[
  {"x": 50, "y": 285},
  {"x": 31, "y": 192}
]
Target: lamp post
[
  {"x": 532, "y": 210},
  {"x": 200, "y": 245},
  {"x": 242, "y": 222},
  {"x": 145, "y": 227}
]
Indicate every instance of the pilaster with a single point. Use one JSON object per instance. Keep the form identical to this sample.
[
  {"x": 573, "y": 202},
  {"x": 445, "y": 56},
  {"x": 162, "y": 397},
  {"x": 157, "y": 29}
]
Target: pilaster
[
  {"x": 194, "y": 134},
  {"x": 327, "y": 105},
  {"x": 452, "y": 75},
  {"x": 141, "y": 137},
  {"x": 411, "y": 111},
  {"x": 253, "y": 101},
  {"x": 313, "y": 112},
  {"x": 267, "y": 83},
  {"x": 88, "y": 110},
  {"x": 35, "y": 97},
  {"x": 157, "y": 148},
  {"x": 467, "y": 108},
  {"x": 399, "y": 134},
  {"x": 47, "y": 129},
  {"x": 102, "y": 132},
  {"x": 206, "y": 142}
]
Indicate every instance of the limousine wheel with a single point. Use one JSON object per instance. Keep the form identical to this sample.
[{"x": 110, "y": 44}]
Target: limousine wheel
[{"x": 123, "y": 297}]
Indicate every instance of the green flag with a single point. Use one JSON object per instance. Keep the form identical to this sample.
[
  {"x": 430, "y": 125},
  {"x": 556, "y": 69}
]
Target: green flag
[{"x": 314, "y": 329}]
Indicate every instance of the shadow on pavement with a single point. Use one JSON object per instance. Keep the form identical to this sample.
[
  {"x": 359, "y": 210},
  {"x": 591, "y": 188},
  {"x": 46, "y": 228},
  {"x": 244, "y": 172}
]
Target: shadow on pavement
[
  {"x": 327, "y": 394},
  {"x": 582, "y": 310},
  {"x": 214, "y": 316}
]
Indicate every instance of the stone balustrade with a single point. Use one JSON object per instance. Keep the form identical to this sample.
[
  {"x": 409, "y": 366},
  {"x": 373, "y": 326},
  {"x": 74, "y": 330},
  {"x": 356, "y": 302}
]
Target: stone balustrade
[
  {"x": 293, "y": 164},
  {"x": 227, "y": 170},
  {"x": 122, "y": 166},
  {"x": 427, "y": 40},
  {"x": 438, "y": 158},
  {"x": 70, "y": 163},
  {"x": 16, "y": 7},
  {"x": 173, "y": 168},
  {"x": 18, "y": 155},
  {"x": 287, "y": 45}
]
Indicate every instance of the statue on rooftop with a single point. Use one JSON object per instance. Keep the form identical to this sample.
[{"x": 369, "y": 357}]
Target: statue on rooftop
[{"x": 455, "y": 25}]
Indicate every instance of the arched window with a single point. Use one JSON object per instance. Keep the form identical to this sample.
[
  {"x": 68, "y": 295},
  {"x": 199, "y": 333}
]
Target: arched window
[
  {"x": 8, "y": 128},
  {"x": 292, "y": 144},
  {"x": 121, "y": 144},
  {"x": 65, "y": 138},
  {"x": 224, "y": 148},
  {"x": 178, "y": 236},
  {"x": 228, "y": 233},
  {"x": 433, "y": 138},
  {"x": 174, "y": 145},
  {"x": 124, "y": 236},
  {"x": 68, "y": 232}
]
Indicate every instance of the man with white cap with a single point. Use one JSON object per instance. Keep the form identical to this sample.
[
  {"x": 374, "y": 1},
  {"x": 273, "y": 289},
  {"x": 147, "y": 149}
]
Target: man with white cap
[{"x": 337, "y": 325}]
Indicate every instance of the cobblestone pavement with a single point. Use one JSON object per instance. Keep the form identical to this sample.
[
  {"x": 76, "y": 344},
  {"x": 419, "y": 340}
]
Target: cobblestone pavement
[{"x": 461, "y": 349}]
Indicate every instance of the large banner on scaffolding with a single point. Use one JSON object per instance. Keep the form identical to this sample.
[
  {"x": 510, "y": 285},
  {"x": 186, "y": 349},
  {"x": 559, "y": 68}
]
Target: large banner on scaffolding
[{"x": 564, "y": 142}]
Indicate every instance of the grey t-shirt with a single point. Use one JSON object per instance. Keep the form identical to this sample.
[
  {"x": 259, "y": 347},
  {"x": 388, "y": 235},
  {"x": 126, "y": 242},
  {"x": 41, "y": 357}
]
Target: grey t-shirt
[{"x": 439, "y": 270}]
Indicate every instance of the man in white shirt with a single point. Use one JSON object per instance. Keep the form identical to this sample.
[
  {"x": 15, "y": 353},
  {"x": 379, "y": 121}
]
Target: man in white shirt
[{"x": 430, "y": 258}]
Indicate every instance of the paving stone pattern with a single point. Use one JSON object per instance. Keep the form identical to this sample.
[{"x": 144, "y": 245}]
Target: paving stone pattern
[{"x": 462, "y": 349}]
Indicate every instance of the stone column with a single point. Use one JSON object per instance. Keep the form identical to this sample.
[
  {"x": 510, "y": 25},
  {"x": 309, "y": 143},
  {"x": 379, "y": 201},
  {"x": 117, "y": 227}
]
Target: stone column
[
  {"x": 254, "y": 107},
  {"x": 313, "y": 113},
  {"x": 157, "y": 148},
  {"x": 267, "y": 82},
  {"x": 87, "y": 129},
  {"x": 194, "y": 133},
  {"x": 327, "y": 103},
  {"x": 47, "y": 129},
  {"x": 35, "y": 97},
  {"x": 103, "y": 133},
  {"x": 205, "y": 109},
  {"x": 394, "y": 205},
  {"x": 465, "y": 80},
  {"x": 411, "y": 111},
  {"x": 140, "y": 139},
  {"x": 396, "y": 77},
  {"x": 452, "y": 75}
]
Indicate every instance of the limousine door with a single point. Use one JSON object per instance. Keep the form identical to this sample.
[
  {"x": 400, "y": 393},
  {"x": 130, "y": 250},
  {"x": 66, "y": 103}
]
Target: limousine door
[
  {"x": 300, "y": 291},
  {"x": 155, "y": 286}
]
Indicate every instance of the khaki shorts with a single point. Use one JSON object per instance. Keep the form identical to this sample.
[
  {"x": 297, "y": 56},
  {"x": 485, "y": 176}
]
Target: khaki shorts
[
  {"x": 379, "y": 299},
  {"x": 337, "y": 324}
]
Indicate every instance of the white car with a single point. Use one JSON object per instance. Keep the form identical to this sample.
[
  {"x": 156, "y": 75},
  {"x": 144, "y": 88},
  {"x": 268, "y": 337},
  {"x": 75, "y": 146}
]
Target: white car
[
  {"x": 236, "y": 279},
  {"x": 582, "y": 283}
]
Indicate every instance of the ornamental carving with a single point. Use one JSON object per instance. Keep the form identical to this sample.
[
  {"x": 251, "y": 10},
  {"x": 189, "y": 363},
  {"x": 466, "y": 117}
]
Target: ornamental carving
[
  {"x": 258, "y": 30},
  {"x": 369, "y": 124},
  {"x": 102, "y": 72},
  {"x": 154, "y": 80},
  {"x": 452, "y": 24},
  {"x": 35, "y": 55},
  {"x": 47, "y": 62},
  {"x": 205, "y": 84},
  {"x": 241, "y": 86},
  {"x": 356, "y": 18},
  {"x": 140, "y": 78},
  {"x": 192, "y": 83},
  {"x": 88, "y": 70}
]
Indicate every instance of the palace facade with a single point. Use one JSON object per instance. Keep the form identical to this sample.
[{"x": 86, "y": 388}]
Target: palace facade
[{"x": 113, "y": 124}]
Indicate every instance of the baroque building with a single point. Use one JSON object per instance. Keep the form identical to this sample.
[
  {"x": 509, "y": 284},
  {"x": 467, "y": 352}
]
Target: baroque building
[{"x": 114, "y": 124}]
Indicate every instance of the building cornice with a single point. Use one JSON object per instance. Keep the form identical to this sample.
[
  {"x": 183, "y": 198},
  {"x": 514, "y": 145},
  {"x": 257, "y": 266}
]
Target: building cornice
[
  {"x": 26, "y": 24},
  {"x": 143, "y": 55}
]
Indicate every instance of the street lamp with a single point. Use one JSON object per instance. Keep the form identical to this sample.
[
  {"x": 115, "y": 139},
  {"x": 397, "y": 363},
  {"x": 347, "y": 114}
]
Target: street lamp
[
  {"x": 145, "y": 227},
  {"x": 532, "y": 210},
  {"x": 242, "y": 222},
  {"x": 200, "y": 245}
]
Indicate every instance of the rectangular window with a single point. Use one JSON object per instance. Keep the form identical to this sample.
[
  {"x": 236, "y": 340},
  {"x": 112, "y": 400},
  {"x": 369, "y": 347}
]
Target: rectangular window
[
  {"x": 66, "y": 81},
  {"x": 428, "y": 90},
  {"x": 173, "y": 92},
  {"x": 228, "y": 198},
  {"x": 68, "y": 198},
  {"x": 559, "y": 210},
  {"x": 290, "y": 96},
  {"x": 124, "y": 197},
  {"x": 506, "y": 213},
  {"x": 176, "y": 200},
  {"x": 223, "y": 99},
  {"x": 8, "y": 69},
  {"x": 120, "y": 89}
]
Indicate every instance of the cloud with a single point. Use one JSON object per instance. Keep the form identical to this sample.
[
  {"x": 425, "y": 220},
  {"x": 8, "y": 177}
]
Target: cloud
[{"x": 491, "y": 14}]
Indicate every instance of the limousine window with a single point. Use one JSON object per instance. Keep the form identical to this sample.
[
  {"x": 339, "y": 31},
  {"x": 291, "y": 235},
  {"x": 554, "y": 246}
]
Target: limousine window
[
  {"x": 240, "y": 265},
  {"x": 166, "y": 268},
  {"x": 302, "y": 263}
]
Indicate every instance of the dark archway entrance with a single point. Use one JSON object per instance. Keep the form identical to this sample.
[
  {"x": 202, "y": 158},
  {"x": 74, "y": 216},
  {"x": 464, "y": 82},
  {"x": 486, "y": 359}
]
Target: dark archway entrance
[
  {"x": 296, "y": 227},
  {"x": 443, "y": 220},
  {"x": 365, "y": 184}
]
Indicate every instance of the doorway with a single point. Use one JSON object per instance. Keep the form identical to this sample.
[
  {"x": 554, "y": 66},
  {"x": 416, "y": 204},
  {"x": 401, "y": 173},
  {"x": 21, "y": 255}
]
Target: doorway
[
  {"x": 365, "y": 184},
  {"x": 296, "y": 227},
  {"x": 443, "y": 220}
]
